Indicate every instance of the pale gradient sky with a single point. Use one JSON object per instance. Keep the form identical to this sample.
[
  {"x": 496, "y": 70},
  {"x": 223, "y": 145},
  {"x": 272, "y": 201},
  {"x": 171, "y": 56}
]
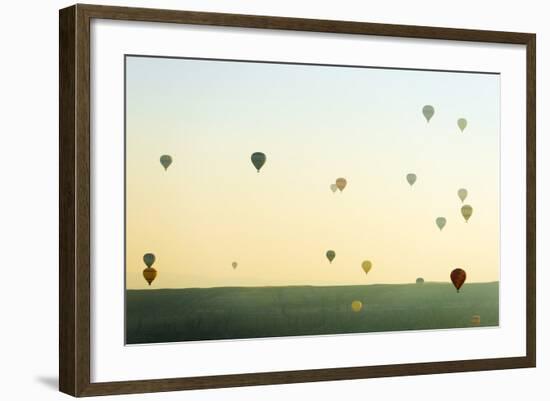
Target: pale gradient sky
[{"x": 314, "y": 123}]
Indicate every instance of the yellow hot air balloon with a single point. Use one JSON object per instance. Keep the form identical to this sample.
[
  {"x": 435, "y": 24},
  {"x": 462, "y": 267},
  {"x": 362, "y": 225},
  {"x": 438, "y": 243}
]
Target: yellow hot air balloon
[
  {"x": 476, "y": 320},
  {"x": 366, "y": 266},
  {"x": 341, "y": 183},
  {"x": 356, "y": 306},
  {"x": 467, "y": 211}
]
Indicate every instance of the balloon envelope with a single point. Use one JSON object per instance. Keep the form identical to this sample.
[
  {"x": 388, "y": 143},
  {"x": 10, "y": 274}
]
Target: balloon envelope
[
  {"x": 234, "y": 264},
  {"x": 366, "y": 266},
  {"x": 419, "y": 280},
  {"x": 166, "y": 160},
  {"x": 333, "y": 187},
  {"x": 331, "y": 255},
  {"x": 258, "y": 160},
  {"x": 356, "y": 306},
  {"x": 341, "y": 183},
  {"x": 428, "y": 112},
  {"x": 462, "y": 123},
  {"x": 149, "y": 274},
  {"x": 458, "y": 277},
  {"x": 441, "y": 221},
  {"x": 411, "y": 178},
  {"x": 467, "y": 211},
  {"x": 476, "y": 320},
  {"x": 462, "y": 194},
  {"x": 149, "y": 259}
]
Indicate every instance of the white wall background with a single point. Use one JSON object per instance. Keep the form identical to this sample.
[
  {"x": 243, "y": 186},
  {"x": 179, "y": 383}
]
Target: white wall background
[{"x": 28, "y": 212}]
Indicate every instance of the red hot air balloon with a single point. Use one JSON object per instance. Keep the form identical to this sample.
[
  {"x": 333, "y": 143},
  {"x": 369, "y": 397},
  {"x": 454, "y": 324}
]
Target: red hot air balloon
[{"x": 458, "y": 277}]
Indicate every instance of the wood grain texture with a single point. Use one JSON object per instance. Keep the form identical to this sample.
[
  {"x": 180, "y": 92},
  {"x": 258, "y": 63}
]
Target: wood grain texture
[{"x": 74, "y": 198}]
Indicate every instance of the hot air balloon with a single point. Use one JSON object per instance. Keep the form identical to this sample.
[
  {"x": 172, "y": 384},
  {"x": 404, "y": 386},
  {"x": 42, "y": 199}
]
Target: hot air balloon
[
  {"x": 165, "y": 160},
  {"x": 462, "y": 194},
  {"x": 234, "y": 264},
  {"x": 458, "y": 277},
  {"x": 331, "y": 255},
  {"x": 341, "y": 183},
  {"x": 428, "y": 112},
  {"x": 476, "y": 320},
  {"x": 467, "y": 211},
  {"x": 149, "y": 273},
  {"x": 462, "y": 123},
  {"x": 441, "y": 221},
  {"x": 149, "y": 259},
  {"x": 411, "y": 178},
  {"x": 258, "y": 160},
  {"x": 366, "y": 266},
  {"x": 419, "y": 280},
  {"x": 333, "y": 188},
  {"x": 356, "y": 306}
]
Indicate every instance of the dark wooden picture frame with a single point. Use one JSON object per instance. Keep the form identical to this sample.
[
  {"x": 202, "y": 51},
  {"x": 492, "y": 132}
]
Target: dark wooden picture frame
[{"x": 74, "y": 199}]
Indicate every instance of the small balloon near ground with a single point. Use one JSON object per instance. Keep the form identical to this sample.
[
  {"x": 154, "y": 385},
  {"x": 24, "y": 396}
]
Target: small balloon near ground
[
  {"x": 356, "y": 306},
  {"x": 419, "y": 280},
  {"x": 458, "y": 277}
]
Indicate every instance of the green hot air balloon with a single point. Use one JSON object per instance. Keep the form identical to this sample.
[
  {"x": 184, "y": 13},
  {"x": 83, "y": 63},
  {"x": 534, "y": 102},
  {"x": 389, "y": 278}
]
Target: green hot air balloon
[
  {"x": 441, "y": 221},
  {"x": 467, "y": 211},
  {"x": 258, "y": 160},
  {"x": 234, "y": 265},
  {"x": 428, "y": 112},
  {"x": 462, "y": 123},
  {"x": 331, "y": 255},
  {"x": 411, "y": 179},
  {"x": 149, "y": 259},
  {"x": 420, "y": 281},
  {"x": 165, "y": 160},
  {"x": 333, "y": 188},
  {"x": 462, "y": 194}
]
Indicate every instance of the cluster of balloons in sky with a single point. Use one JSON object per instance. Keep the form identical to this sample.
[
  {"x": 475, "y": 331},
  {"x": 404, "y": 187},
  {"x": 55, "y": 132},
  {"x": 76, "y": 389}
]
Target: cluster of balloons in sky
[{"x": 258, "y": 159}]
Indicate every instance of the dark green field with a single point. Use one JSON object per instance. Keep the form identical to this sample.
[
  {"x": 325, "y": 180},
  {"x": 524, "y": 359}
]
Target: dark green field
[{"x": 250, "y": 312}]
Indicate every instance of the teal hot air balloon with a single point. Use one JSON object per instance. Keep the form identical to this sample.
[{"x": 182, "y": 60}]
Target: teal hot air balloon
[
  {"x": 462, "y": 123},
  {"x": 165, "y": 160},
  {"x": 149, "y": 259},
  {"x": 411, "y": 179},
  {"x": 428, "y": 112},
  {"x": 258, "y": 160},
  {"x": 331, "y": 255},
  {"x": 441, "y": 221}
]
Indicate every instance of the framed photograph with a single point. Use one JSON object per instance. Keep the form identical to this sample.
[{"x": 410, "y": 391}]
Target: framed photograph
[{"x": 250, "y": 200}]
